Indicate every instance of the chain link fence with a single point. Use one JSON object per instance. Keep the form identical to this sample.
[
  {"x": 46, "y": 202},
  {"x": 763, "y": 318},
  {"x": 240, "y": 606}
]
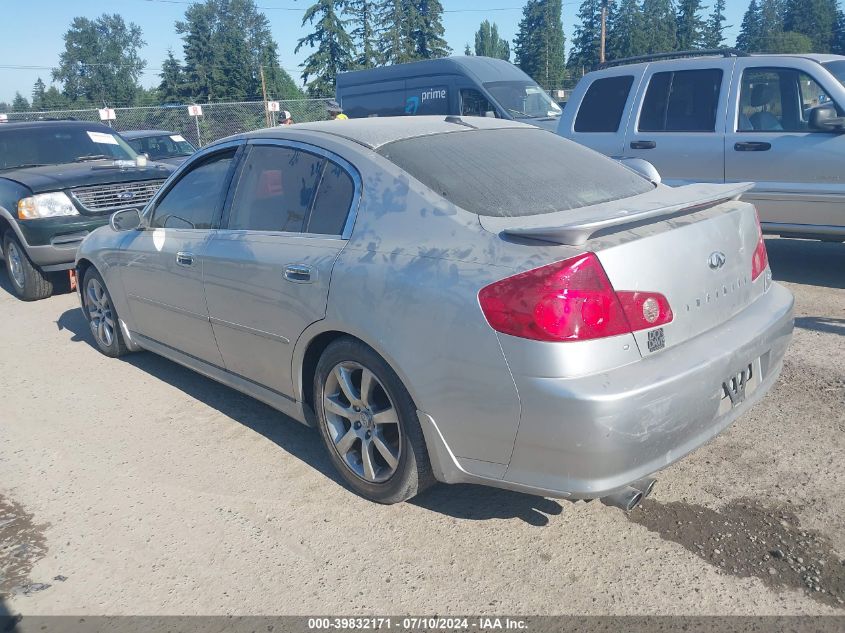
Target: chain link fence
[{"x": 218, "y": 120}]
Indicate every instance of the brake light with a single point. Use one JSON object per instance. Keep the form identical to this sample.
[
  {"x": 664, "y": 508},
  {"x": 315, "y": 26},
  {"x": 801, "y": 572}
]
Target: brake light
[
  {"x": 572, "y": 300},
  {"x": 760, "y": 260}
]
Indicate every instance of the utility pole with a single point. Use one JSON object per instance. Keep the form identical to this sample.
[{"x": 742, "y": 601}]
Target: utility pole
[
  {"x": 264, "y": 96},
  {"x": 603, "y": 30}
]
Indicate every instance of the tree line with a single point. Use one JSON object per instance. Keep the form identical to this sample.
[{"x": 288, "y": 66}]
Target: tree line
[{"x": 228, "y": 52}]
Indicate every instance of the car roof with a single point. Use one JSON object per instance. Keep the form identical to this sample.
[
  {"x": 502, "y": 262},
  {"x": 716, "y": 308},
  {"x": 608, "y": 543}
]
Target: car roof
[
  {"x": 143, "y": 133},
  {"x": 484, "y": 69},
  {"x": 678, "y": 62},
  {"x": 377, "y": 131},
  {"x": 17, "y": 125}
]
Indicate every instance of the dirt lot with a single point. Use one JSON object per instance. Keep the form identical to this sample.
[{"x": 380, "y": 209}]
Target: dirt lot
[{"x": 139, "y": 487}]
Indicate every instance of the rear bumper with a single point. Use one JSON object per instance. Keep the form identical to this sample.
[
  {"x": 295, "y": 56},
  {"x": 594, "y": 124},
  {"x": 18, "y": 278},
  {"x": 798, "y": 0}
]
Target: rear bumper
[
  {"x": 586, "y": 437},
  {"x": 590, "y": 436}
]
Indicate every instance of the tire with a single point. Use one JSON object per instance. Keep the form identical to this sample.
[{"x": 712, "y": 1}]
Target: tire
[
  {"x": 27, "y": 281},
  {"x": 361, "y": 431},
  {"x": 101, "y": 316}
]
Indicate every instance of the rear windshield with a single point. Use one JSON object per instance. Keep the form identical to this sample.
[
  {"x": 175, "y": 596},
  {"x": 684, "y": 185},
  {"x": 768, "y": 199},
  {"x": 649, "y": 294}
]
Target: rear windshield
[{"x": 513, "y": 172}]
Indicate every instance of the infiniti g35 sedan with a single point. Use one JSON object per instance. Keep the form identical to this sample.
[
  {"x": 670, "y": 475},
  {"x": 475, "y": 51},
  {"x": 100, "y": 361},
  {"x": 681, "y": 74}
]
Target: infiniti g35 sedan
[{"x": 455, "y": 300}]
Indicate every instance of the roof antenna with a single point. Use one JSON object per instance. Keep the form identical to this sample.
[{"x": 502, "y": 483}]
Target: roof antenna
[{"x": 459, "y": 121}]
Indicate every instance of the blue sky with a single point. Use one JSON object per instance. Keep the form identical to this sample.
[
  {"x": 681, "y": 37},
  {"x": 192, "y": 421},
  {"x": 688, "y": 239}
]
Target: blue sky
[{"x": 35, "y": 37}]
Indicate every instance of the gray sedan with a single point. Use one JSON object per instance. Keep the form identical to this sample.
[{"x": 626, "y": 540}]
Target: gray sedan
[{"x": 454, "y": 300}]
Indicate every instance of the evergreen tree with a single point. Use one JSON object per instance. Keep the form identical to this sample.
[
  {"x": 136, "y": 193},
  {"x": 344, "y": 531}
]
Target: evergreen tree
[
  {"x": 467, "y": 50},
  {"x": 625, "y": 35},
  {"x": 364, "y": 17},
  {"x": 751, "y": 29},
  {"x": 38, "y": 90},
  {"x": 817, "y": 19},
  {"x": 660, "y": 26},
  {"x": 489, "y": 44},
  {"x": 172, "y": 80},
  {"x": 539, "y": 45},
  {"x": 691, "y": 28},
  {"x": 839, "y": 34},
  {"x": 586, "y": 40},
  {"x": 397, "y": 43},
  {"x": 788, "y": 42},
  {"x": 426, "y": 19},
  {"x": 771, "y": 25},
  {"x": 101, "y": 60},
  {"x": 226, "y": 43},
  {"x": 714, "y": 30},
  {"x": 20, "y": 104},
  {"x": 333, "y": 44},
  {"x": 54, "y": 100}
]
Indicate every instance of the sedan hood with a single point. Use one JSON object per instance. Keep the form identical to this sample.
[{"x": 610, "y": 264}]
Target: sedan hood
[{"x": 64, "y": 176}]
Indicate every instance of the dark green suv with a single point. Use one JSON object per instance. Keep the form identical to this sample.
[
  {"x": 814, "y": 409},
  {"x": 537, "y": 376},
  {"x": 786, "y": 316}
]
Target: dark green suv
[{"x": 60, "y": 180}]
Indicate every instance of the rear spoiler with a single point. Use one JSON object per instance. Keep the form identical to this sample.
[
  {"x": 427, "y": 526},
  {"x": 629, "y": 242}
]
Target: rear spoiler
[{"x": 583, "y": 224}]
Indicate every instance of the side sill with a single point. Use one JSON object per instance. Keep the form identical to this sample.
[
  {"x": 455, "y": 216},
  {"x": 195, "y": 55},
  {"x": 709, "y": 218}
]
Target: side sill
[
  {"x": 448, "y": 469},
  {"x": 280, "y": 402}
]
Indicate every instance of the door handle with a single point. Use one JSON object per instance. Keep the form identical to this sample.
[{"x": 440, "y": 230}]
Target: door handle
[
  {"x": 643, "y": 144},
  {"x": 185, "y": 259},
  {"x": 752, "y": 146},
  {"x": 300, "y": 274}
]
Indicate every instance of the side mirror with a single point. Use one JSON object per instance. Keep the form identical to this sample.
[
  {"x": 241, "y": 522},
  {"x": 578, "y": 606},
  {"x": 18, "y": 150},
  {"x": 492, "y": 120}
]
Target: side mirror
[
  {"x": 643, "y": 168},
  {"x": 126, "y": 220},
  {"x": 825, "y": 118}
]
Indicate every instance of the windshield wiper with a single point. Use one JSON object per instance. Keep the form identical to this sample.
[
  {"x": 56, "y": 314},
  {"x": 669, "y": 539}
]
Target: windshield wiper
[
  {"x": 87, "y": 157},
  {"x": 518, "y": 112},
  {"x": 23, "y": 166}
]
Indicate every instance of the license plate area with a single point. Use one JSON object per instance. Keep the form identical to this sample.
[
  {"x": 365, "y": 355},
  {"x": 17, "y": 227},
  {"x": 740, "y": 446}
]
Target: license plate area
[{"x": 737, "y": 387}]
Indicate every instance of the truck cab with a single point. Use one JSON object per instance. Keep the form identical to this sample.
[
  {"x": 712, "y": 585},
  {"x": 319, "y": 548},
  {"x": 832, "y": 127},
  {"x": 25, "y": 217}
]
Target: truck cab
[{"x": 776, "y": 120}]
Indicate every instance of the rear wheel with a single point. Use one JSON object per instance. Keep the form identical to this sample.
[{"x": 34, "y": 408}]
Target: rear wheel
[
  {"x": 369, "y": 424},
  {"x": 101, "y": 315},
  {"x": 28, "y": 282}
]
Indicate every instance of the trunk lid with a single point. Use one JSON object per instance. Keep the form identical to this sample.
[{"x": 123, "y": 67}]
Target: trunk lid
[{"x": 695, "y": 248}]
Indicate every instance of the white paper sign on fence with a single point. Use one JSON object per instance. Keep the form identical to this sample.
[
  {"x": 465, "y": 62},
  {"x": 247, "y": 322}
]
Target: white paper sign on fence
[
  {"x": 107, "y": 114},
  {"x": 4, "y": 118},
  {"x": 273, "y": 106},
  {"x": 195, "y": 110}
]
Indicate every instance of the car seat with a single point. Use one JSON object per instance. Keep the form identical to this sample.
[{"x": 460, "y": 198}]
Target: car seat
[{"x": 764, "y": 95}]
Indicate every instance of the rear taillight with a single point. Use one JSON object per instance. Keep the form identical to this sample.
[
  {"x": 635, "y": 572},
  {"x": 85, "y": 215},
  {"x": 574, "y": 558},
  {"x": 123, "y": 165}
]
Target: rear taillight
[
  {"x": 572, "y": 300},
  {"x": 760, "y": 260}
]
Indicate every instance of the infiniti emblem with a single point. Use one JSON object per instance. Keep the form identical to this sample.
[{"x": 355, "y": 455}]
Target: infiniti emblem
[{"x": 716, "y": 260}]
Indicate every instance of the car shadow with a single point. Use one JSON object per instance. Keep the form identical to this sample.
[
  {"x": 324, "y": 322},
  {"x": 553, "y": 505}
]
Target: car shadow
[
  {"x": 61, "y": 282},
  {"x": 8, "y": 621},
  {"x": 807, "y": 262},
  {"x": 460, "y": 501},
  {"x": 822, "y": 324}
]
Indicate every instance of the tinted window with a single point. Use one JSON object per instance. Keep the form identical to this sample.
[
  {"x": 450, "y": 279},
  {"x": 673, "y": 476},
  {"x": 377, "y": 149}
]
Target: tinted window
[
  {"x": 388, "y": 103},
  {"x": 334, "y": 198},
  {"x": 473, "y": 103},
  {"x": 778, "y": 100},
  {"x": 684, "y": 101},
  {"x": 603, "y": 105},
  {"x": 193, "y": 202},
  {"x": 539, "y": 173},
  {"x": 164, "y": 146},
  {"x": 275, "y": 190}
]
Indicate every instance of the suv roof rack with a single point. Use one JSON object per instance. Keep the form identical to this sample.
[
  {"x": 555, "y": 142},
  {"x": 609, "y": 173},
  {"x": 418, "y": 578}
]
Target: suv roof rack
[{"x": 707, "y": 52}]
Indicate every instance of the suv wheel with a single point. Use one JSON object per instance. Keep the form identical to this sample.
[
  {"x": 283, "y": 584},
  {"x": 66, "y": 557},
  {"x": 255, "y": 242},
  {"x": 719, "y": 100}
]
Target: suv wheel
[
  {"x": 28, "y": 282},
  {"x": 101, "y": 315},
  {"x": 369, "y": 424}
]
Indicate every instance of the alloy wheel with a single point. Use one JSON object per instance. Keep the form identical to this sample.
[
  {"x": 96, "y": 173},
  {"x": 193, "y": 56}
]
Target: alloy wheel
[
  {"x": 100, "y": 314},
  {"x": 362, "y": 422}
]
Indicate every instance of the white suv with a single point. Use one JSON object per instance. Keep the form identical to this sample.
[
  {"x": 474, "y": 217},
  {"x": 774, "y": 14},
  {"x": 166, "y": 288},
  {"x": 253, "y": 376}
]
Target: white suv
[{"x": 776, "y": 120}]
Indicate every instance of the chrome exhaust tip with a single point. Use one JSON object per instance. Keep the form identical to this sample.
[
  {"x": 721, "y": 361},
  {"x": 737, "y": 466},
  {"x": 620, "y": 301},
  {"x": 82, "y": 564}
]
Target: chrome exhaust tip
[
  {"x": 645, "y": 485},
  {"x": 626, "y": 499}
]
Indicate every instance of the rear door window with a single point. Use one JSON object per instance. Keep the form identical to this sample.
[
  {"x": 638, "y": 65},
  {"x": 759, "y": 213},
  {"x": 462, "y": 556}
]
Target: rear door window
[
  {"x": 604, "y": 104},
  {"x": 682, "y": 101},
  {"x": 275, "y": 190},
  {"x": 334, "y": 200}
]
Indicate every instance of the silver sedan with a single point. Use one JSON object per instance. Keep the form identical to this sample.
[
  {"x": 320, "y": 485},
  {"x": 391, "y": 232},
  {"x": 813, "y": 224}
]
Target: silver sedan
[{"x": 454, "y": 300}]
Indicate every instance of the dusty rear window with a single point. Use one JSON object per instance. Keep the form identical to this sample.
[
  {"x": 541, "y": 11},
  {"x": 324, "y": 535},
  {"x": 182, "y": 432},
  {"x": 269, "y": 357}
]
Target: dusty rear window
[{"x": 513, "y": 172}]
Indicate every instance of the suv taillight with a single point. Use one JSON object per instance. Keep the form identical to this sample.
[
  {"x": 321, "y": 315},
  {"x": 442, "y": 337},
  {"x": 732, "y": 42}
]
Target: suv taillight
[
  {"x": 761, "y": 257},
  {"x": 572, "y": 300}
]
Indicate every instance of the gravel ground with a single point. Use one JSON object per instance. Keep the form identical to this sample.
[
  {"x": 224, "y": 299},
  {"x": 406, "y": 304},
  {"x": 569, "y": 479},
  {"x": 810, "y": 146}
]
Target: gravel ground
[{"x": 139, "y": 487}]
